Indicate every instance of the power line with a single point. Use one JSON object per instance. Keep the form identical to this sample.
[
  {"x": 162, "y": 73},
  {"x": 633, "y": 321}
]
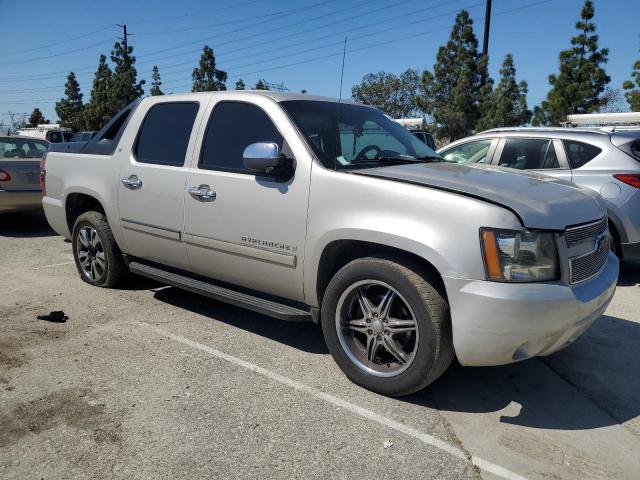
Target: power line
[
  {"x": 89, "y": 68},
  {"x": 60, "y": 42},
  {"x": 193, "y": 14},
  {"x": 252, "y": 35},
  {"x": 221, "y": 54},
  {"x": 37, "y": 59},
  {"x": 386, "y": 42},
  {"x": 377, "y": 32},
  {"x": 353, "y": 50},
  {"x": 93, "y": 32}
]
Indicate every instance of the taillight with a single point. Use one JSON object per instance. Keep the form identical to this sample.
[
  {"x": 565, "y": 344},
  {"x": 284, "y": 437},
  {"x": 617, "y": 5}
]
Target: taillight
[
  {"x": 43, "y": 175},
  {"x": 4, "y": 176},
  {"x": 632, "y": 179}
]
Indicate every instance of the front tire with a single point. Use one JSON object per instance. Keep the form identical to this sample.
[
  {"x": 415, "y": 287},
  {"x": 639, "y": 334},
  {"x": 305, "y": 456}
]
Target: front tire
[
  {"x": 97, "y": 256},
  {"x": 387, "y": 325}
]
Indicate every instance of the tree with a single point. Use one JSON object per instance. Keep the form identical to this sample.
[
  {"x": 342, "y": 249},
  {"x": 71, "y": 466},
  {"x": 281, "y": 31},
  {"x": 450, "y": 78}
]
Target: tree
[
  {"x": 70, "y": 109},
  {"x": 612, "y": 101},
  {"x": 632, "y": 87},
  {"x": 36, "y": 118},
  {"x": 579, "y": 86},
  {"x": 207, "y": 78},
  {"x": 240, "y": 85},
  {"x": 454, "y": 93},
  {"x": 262, "y": 85},
  {"x": 394, "y": 95},
  {"x": 99, "y": 109},
  {"x": 124, "y": 85},
  {"x": 155, "y": 83},
  {"x": 507, "y": 106}
]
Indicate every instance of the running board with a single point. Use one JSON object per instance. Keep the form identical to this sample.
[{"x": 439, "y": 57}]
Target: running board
[{"x": 260, "y": 305}]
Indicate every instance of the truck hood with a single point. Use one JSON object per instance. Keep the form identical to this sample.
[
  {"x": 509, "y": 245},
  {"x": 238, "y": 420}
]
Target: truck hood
[{"x": 538, "y": 200}]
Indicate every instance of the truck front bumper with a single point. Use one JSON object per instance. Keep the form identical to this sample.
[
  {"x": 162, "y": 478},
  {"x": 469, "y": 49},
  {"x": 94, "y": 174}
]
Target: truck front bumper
[
  {"x": 499, "y": 323},
  {"x": 11, "y": 200}
]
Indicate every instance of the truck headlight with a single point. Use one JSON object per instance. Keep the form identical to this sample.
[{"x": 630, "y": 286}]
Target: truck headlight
[{"x": 519, "y": 256}]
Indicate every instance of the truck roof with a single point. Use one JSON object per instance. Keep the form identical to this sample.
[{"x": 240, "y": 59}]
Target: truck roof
[{"x": 275, "y": 96}]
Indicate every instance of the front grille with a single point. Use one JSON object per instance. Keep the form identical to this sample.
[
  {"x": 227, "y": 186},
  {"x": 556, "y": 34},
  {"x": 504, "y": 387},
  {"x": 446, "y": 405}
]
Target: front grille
[
  {"x": 575, "y": 235},
  {"x": 586, "y": 266}
]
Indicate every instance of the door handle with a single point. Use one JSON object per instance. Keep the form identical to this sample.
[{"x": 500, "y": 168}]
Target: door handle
[
  {"x": 203, "y": 193},
  {"x": 132, "y": 182}
]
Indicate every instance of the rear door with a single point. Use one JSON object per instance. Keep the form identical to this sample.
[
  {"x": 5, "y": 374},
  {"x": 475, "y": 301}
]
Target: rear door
[
  {"x": 541, "y": 155},
  {"x": 152, "y": 179},
  {"x": 20, "y": 162}
]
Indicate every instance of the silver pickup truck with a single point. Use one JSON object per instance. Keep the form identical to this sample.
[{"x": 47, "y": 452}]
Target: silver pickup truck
[{"x": 306, "y": 208}]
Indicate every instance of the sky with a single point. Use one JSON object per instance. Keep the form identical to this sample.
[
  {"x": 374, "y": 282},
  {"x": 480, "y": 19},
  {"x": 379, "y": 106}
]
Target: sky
[{"x": 297, "y": 43}]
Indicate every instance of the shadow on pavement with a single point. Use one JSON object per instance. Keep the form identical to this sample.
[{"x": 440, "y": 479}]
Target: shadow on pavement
[
  {"x": 556, "y": 392},
  {"x": 24, "y": 225},
  {"x": 603, "y": 364},
  {"x": 629, "y": 273},
  {"x": 305, "y": 336}
]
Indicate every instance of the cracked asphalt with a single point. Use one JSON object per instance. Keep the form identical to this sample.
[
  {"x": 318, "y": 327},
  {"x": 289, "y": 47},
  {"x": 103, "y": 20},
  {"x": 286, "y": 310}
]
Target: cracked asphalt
[{"x": 147, "y": 381}]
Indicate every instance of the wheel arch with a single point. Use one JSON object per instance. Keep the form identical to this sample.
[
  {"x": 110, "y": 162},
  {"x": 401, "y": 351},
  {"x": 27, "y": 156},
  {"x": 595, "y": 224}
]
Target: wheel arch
[
  {"x": 78, "y": 203},
  {"x": 337, "y": 253}
]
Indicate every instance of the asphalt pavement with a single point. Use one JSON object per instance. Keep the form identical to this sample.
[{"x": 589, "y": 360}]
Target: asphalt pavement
[{"x": 147, "y": 381}]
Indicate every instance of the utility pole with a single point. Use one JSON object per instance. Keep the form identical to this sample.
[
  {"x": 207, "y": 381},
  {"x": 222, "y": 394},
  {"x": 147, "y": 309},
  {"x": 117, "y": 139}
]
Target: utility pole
[
  {"x": 487, "y": 27},
  {"x": 125, "y": 39}
]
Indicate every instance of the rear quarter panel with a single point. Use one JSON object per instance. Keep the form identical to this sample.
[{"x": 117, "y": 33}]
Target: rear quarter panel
[{"x": 93, "y": 175}]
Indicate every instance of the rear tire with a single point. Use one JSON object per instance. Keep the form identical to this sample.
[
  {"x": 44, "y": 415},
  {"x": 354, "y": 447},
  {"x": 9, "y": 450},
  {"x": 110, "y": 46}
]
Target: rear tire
[
  {"x": 97, "y": 256},
  {"x": 403, "y": 341}
]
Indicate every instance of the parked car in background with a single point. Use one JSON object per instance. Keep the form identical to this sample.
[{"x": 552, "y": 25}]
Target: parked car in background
[
  {"x": 20, "y": 159},
  {"x": 52, "y": 133},
  {"x": 425, "y": 137},
  {"x": 415, "y": 126},
  {"x": 82, "y": 136},
  {"x": 310, "y": 209},
  {"x": 602, "y": 159}
]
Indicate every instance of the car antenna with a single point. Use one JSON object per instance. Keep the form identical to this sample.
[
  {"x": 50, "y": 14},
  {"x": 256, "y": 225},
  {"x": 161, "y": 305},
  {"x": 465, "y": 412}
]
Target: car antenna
[{"x": 344, "y": 54}]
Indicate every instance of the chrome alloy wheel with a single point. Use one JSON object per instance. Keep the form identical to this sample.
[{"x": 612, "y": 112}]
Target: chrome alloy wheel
[
  {"x": 91, "y": 253},
  {"x": 377, "y": 328}
]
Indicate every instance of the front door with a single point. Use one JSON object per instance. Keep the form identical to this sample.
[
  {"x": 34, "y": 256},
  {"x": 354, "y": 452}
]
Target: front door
[
  {"x": 152, "y": 181},
  {"x": 240, "y": 228}
]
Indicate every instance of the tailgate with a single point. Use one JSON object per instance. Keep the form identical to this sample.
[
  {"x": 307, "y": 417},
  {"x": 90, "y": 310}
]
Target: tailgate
[{"x": 25, "y": 174}]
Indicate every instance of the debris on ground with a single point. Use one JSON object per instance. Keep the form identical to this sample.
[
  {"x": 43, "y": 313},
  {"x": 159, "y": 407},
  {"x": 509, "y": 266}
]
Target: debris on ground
[
  {"x": 387, "y": 444},
  {"x": 57, "y": 316}
]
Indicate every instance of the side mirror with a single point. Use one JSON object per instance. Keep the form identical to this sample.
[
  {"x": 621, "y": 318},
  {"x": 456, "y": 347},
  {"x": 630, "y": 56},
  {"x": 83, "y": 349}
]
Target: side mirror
[{"x": 264, "y": 158}]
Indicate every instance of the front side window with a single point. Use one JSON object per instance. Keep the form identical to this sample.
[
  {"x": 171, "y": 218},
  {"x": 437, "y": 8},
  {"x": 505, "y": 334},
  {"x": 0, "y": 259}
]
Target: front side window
[
  {"x": 234, "y": 126},
  {"x": 468, "y": 153},
  {"x": 529, "y": 154},
  {"x": 348, "y": 136},
  {"x": 164, "y": 134},
  {"x": 580, "y": 153}
]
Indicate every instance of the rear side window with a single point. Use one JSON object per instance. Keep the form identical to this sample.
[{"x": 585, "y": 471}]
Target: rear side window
[
  {"x": 580, "y": 153},
  {"x": 164, "y": 134},
  {"x": 529, "y": 154},
  {"x": 234, "y": 126}
]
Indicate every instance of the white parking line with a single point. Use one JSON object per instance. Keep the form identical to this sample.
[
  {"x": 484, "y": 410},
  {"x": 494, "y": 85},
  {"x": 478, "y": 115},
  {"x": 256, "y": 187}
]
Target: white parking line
[
  {"x": 351, "y": 407},
  {"x": 55, "y": 265}
]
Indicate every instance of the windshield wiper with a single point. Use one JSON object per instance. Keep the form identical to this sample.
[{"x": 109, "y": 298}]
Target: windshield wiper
[{"x": 388, "y": 160}]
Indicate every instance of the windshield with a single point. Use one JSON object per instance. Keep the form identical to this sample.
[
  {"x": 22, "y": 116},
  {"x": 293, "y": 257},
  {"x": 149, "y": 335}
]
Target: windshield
[{"x": 347, "y": 136}]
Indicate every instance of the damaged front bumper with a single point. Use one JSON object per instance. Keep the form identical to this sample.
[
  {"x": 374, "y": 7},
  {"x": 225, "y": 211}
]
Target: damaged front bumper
[{"x": 499, "y": 323}]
